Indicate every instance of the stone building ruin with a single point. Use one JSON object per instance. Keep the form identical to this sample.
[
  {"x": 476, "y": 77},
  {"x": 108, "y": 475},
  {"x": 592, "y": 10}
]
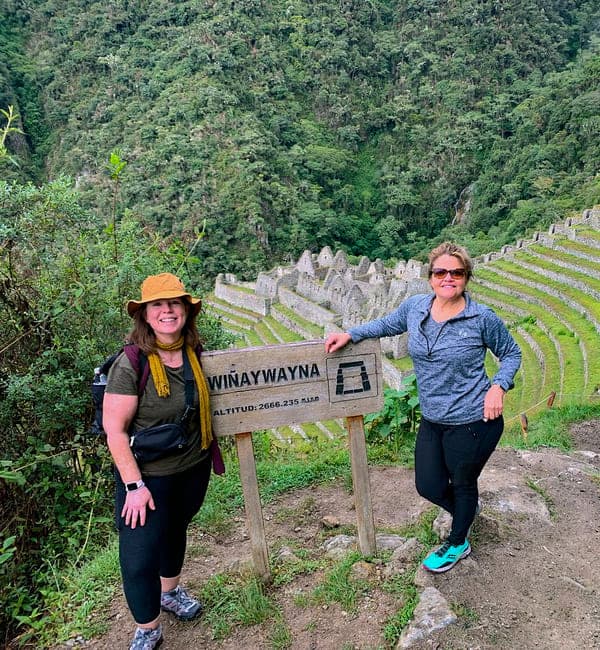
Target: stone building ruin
[{"x": 328, "y": 290}]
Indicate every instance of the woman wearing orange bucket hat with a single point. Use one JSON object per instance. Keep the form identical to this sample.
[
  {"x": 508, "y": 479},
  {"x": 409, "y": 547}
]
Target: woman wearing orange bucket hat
[{"x": 160, "y": 487}]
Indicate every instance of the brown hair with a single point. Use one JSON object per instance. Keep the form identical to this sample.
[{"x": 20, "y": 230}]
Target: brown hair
[
  {"x": 143, "y": 335},
  {"x": 448, "y": 248}
]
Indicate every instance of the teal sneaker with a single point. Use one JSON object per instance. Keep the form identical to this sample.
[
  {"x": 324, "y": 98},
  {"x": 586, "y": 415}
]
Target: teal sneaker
[{"x": 446, "y": 556}]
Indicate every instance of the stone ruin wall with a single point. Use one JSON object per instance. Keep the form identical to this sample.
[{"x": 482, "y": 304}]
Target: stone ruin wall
[
  {"x": 327, "y": 290},
  {"x": 324, "y": 288}
]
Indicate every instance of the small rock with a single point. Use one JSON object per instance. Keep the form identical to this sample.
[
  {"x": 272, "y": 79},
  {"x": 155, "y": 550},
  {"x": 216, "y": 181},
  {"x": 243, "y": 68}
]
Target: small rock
[
  {"x": 364, "y": 572},
  {"x": 329, "y": 521}
]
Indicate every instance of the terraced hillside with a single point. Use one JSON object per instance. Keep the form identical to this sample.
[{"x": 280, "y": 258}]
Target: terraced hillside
[{"x": 547, "y": 290}]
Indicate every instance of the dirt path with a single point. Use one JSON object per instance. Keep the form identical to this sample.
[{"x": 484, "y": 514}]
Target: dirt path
[{"x": 532, "y": 581}]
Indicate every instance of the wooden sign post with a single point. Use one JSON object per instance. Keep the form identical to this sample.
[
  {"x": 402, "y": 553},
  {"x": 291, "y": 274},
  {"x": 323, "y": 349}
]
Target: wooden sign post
[{"x": 276, "y": 385}]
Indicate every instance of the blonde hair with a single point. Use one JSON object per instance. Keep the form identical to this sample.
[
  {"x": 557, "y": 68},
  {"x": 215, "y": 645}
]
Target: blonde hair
[{"x": 448, "y": 248}]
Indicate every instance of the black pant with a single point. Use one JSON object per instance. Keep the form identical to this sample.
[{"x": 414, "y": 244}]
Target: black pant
[
  {"x": 448, "y": 462},
  {"x": 157, "y": 549}
]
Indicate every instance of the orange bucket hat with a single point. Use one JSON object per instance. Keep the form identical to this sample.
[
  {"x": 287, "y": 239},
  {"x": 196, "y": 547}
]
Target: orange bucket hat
[{"x": 162, "y": 287}]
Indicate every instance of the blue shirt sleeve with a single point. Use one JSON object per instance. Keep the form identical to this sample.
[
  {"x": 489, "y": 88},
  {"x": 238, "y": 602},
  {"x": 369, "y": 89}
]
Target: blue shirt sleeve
[{"x": 501, "y": 343}]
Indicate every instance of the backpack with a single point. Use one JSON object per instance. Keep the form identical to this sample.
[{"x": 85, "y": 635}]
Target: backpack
[{"x": 139, "y": 363}]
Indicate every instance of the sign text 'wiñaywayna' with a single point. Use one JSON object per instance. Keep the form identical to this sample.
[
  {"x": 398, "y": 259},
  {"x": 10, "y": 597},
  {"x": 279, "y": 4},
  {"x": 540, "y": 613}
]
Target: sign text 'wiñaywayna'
[{"x": 277, "y": 385}]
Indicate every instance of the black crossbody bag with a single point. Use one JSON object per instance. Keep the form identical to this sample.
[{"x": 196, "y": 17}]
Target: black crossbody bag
[{"x": 171, "y": 438}]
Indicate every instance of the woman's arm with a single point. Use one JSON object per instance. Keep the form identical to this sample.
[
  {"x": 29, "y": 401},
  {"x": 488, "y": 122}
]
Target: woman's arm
[
  {"x": 117, "y": 413},
  {"x": 499, "y": 340}
]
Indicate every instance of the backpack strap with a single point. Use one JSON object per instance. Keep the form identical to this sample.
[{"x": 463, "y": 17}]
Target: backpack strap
[
  {"x": 139, "y": 362},
  {"x": 218, "y": 465}
]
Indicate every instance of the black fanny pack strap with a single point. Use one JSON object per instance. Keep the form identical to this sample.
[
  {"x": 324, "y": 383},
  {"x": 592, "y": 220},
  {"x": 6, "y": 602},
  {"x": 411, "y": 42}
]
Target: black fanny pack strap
[{"x": 190, "y": 388}]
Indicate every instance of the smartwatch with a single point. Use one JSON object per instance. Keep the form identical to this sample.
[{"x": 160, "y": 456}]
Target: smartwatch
[{"x": 130, "y": 487}]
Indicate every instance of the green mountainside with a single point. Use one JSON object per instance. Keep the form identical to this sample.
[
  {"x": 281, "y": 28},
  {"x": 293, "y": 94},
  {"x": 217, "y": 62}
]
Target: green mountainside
[{"x": 293, "y": 125}]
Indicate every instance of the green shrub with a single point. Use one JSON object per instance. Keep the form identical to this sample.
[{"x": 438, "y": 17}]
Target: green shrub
[
  {"x": 396, "y": 424},
  {"x": 64, "y": 280}
]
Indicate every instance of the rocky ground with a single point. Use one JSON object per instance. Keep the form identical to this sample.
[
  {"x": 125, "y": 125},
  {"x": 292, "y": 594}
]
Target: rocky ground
[{"x": 532, "y": 580}]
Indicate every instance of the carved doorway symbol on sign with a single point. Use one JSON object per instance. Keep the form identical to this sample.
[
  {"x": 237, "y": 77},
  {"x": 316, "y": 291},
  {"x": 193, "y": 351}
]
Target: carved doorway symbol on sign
[{"x": 349, "y": 382}]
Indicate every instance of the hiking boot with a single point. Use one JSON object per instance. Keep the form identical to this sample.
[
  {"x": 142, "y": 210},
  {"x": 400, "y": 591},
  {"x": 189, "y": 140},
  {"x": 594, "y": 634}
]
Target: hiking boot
[
  {"x": 180, "y": 603},
  {"x": 147, "y": 639},
  {"x": 446, "y": 556}
]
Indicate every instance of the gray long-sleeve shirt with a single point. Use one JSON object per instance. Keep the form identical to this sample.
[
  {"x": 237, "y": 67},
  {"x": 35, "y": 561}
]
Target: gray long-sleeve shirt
[{"x": 448, "y": 357}]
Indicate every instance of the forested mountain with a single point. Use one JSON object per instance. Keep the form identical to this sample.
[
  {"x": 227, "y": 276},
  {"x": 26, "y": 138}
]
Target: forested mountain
[{"x": 359, "y": 124}]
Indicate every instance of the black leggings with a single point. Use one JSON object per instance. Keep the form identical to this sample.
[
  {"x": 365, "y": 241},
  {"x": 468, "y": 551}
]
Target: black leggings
[
  {"x": 448, "y": 462},
  {"x": 157, "y": 549}
]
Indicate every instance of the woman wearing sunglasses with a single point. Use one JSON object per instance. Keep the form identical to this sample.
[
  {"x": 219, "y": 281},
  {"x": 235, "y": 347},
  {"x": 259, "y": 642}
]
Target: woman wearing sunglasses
[{"x": 461, "y": 407}]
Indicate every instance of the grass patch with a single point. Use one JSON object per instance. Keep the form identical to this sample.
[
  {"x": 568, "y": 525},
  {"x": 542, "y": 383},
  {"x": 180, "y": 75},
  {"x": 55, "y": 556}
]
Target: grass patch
[
  {"x": 550, "y": 428},
  {"x": 252, "y": 339},
  {"x": 566, "y": 325},
  {"x": 233, "y": 601},
  {"x": 586, "y": 279},
  {"x": 339, "y": 587},
  {"x": 80, "y": 605},
  {"x": 336, "y": 428},
  {"x": 587, "y": 233},
  {"x": 561, "y": 257},
  {"x": 280, "y": 636},
  {"x": 286, "y": 335},
  {"x": 286, "y": 571},
  {"x": 576, "y": 246},
  {"x": 228, "y": 318},
  {"x": 242, "y": 289},
  {"x": 267, "y": 337},
  {"x": 316, "y": 331},
  {"x": 467, "y": 615},
  {"x": 564, "y": 290},
  {"x": 545, "y": 497},
  {"x": 404, "y": 587},
  {"x": 243, "y": 311}
]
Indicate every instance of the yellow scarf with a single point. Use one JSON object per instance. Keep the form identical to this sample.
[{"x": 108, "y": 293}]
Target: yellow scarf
[{"x": 161, "y": 382}]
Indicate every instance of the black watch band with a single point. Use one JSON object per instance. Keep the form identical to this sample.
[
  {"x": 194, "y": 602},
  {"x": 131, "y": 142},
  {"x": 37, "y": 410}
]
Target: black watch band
[{"x": 130, "y": 487}]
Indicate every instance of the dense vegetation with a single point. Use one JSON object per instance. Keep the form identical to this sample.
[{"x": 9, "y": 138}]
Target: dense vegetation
[
  {"x": 363, "y": 125},
  {"x": 62, "y": 288},
  {"x": 241, "y": 134}
]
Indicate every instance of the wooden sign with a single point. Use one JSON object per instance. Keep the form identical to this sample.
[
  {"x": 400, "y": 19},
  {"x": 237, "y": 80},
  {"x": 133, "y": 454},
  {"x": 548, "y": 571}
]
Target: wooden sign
[
  {"x": 276, "y": 385},
  {"x": 264, "y": 387}
]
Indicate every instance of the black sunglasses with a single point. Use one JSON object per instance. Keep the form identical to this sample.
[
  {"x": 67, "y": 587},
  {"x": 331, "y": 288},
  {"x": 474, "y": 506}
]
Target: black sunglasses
[{"x": 442, "y": 273}]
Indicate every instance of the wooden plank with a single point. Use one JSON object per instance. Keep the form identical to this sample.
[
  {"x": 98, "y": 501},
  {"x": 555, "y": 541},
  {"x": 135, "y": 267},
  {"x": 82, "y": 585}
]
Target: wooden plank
[
  {"x": 277, "y": 385},
  {"x": 254, "y": 516},
  {"x": 362, "y": 486}
]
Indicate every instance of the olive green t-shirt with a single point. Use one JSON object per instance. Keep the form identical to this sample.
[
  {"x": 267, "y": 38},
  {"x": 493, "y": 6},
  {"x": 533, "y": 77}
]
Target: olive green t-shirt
[{"x": 154, "y": 410}]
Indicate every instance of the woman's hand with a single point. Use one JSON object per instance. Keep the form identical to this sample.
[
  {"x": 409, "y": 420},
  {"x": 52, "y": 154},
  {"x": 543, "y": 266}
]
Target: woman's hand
[
  {"x": 336, "y": 341},
  {"x": 134, "y": 510},
  {"x": 493, "y": 404}
]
